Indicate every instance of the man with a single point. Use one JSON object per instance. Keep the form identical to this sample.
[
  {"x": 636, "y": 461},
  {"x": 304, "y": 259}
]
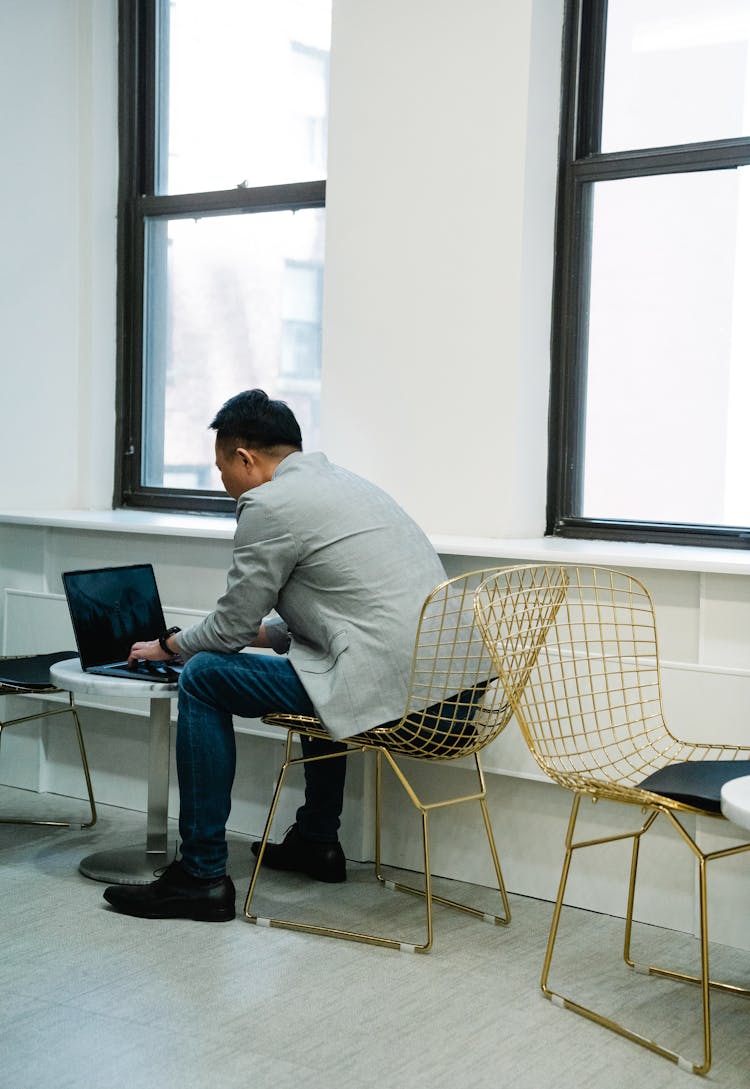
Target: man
[{"x": 347, "y": 572}]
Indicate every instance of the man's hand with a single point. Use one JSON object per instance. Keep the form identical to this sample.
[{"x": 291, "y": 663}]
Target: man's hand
[
  {"x": 261, "y": 639},
  {"x": 150, "y": 651}
]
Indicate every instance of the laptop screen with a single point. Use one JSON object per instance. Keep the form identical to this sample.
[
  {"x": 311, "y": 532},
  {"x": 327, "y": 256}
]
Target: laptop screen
[{"x": 110, "y": 609}]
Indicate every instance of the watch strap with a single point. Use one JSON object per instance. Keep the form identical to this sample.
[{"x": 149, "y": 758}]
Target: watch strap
[{"x": 163, "y": 639}]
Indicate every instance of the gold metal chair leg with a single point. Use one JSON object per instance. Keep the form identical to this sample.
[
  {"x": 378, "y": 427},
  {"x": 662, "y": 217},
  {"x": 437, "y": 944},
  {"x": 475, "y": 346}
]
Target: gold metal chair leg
[
  {"x": 426, "y": 892},
  {"x": 703, "y": 860},
  {"x": 378, "y": 813},
  {"x": 705, "y": 975},
  {"x": 428, "y": 896},
  {"x": 264, "y": 839},
  {"x": 567, "y": 1003},
  {"x": 560, "y": 894},
  {"x": 703, "y": 980},
  {"x": 70, "y": 709},
  {"x": 84, "y": 764},
  {"x": 488, "y": 917},
  {"x": 502, "y": 920},
  {"x": 631, "y": 889},
  {"x": 289, "y": 924}
]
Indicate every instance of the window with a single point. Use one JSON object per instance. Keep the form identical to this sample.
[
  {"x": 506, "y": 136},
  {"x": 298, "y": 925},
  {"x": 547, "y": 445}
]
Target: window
[
  {"x": 651, "y": 343},
  {"x": 223, "y": 119}
]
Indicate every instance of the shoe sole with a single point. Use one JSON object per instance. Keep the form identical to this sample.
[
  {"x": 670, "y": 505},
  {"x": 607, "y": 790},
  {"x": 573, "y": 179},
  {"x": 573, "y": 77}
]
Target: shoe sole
[{"x": 196, "y": 917}]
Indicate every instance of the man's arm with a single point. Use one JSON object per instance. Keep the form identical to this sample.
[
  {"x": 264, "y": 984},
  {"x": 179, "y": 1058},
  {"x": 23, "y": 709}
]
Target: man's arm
[
  {"x": 151, "y": 650},
  {"x": 263, "y": 558}
]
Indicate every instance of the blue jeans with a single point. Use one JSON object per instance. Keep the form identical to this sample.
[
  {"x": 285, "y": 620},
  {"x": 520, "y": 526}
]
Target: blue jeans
[{"x": 213, "y": 687}]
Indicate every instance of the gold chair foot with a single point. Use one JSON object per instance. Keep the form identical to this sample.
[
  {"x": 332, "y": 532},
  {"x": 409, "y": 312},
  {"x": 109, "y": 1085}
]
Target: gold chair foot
[
  {"x": 635, "y": 1037},
  {"x": 476, "y": 913},
  {"x": 331, "y": 932}
]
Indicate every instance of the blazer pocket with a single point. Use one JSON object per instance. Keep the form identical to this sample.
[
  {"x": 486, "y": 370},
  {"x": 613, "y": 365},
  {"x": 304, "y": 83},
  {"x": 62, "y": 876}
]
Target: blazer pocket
[{"x": 316, "y": 661}]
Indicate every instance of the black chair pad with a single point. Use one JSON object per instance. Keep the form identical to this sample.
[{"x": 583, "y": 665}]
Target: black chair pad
[
  {"x": 696, "y": 782},
  {"x": 31, "y": 674}
]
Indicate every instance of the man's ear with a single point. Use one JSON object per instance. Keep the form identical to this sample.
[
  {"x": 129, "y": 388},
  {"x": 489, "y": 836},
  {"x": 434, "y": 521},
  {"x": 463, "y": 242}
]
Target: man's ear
[{"x": 247, "y": 457}]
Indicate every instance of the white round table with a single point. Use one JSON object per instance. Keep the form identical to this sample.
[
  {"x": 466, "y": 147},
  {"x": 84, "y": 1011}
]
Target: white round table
[
  {"x": 131, "y": 865},
  {"x": 735, "y": 801}
]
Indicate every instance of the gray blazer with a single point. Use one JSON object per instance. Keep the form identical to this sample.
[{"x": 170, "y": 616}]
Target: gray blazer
[{"x": 346, "y": 569}]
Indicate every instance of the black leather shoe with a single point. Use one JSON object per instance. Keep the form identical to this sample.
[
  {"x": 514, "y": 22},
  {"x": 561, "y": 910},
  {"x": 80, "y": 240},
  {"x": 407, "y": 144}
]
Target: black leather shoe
[
  {"x": 176, "y": 895},
  {"x": 323, "y": 861}
]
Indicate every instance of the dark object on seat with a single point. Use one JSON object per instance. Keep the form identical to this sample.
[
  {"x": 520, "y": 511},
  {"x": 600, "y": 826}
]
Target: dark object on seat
[
  {"x": 28, "y": 675},
  {"x": 445, "y": 727},
  {"x": 31, "y": 674},
  {"x": 696, "y": 782}
]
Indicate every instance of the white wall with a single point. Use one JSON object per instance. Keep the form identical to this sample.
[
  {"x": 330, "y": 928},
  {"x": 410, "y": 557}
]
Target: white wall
[
  {"x": 443, "y": 121},
  {"x": 58, "y": 189},
  {"x": 441, "y": 194}
]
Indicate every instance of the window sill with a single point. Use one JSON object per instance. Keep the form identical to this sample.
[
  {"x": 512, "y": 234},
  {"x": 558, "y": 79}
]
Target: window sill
[{"x": 629, "y": 554}]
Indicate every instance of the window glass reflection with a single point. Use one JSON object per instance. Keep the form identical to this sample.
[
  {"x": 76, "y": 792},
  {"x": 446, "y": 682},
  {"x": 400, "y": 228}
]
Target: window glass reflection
[
  {"x": 246, "y": 88},
  {"x": 677, "y": 71}
]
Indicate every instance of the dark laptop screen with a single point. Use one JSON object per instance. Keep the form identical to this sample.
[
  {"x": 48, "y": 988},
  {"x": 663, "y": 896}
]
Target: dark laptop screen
[{"x": 111, "y": 608}]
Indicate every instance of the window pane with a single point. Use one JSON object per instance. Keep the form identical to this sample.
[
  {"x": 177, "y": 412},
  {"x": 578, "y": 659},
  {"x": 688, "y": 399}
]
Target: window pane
[
  {"x": 233, "y": 302},
  {"x": 676, "y": 72},
  {"x": 668, "y": 396},
  {"x": 246, "y": 92}
]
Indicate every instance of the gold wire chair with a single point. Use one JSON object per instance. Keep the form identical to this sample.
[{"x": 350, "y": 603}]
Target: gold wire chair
[
  {"x": 28, "y": 675},
  {"x": 454, "y": 708},
  {"x": 587, "y": 696}
]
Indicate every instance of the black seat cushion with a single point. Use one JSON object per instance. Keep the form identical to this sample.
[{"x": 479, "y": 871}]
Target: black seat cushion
[
  {"x": 444, "y": 728},
  {"x": 31, "y": 673},
  {"x": 696, "y": 782}
]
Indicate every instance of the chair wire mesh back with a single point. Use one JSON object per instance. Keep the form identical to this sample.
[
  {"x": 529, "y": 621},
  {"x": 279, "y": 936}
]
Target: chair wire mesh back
[
  {"x": 591, "y": 711},
  {"x": 455, "y": 705}
]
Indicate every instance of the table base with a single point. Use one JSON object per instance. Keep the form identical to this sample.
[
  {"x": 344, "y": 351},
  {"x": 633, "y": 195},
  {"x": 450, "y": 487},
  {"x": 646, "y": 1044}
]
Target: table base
[{"x": 126, "y": 865}]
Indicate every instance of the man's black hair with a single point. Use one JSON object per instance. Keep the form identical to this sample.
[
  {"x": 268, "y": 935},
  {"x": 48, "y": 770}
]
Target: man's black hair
[{"x": 253, "y": 420}]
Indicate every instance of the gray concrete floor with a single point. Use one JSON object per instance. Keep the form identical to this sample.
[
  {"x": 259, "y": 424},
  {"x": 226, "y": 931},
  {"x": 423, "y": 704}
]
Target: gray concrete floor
[{"x": 94, "y": 999}]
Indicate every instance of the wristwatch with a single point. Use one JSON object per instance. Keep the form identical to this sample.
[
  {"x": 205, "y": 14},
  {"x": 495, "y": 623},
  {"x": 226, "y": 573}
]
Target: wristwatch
[{"x": 163, "y": 639}]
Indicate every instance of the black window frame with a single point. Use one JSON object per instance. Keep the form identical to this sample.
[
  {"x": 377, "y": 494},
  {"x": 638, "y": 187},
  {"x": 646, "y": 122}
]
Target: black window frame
[
  {"x": 140, "y": 37},
  {"x": 581, "y": 165}
]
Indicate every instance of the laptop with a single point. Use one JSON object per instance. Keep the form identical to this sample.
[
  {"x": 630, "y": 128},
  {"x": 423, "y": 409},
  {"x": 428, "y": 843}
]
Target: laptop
[{"x": 110, "y": 609}]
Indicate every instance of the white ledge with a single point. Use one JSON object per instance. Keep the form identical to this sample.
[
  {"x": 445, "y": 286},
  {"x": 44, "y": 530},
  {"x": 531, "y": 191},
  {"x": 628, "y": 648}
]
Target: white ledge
[
  {"x": 160, "y": 523},
  {"x": 629, "y": 554}
]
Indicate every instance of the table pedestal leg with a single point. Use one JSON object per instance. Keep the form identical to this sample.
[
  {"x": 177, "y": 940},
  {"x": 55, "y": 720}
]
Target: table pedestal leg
[{"x": 134, "y": 865}]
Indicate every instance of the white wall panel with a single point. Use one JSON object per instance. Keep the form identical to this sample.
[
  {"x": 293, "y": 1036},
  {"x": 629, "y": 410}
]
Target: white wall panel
[
  {"x": 704, "y": 704},
  {"x": 58, "y": 193},
  {"x": 439, "y": 252},
  {"x": 676, "y": 596},
  {"x": 725, "y": 622}
]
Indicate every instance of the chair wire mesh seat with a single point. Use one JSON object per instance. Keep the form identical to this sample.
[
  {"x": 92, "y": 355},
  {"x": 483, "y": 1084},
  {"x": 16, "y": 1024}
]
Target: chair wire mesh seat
[
  {"x": 454, "y": 708},
  {"x": 28, "y": 675},
  {"x": 576, "y": 650}
]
